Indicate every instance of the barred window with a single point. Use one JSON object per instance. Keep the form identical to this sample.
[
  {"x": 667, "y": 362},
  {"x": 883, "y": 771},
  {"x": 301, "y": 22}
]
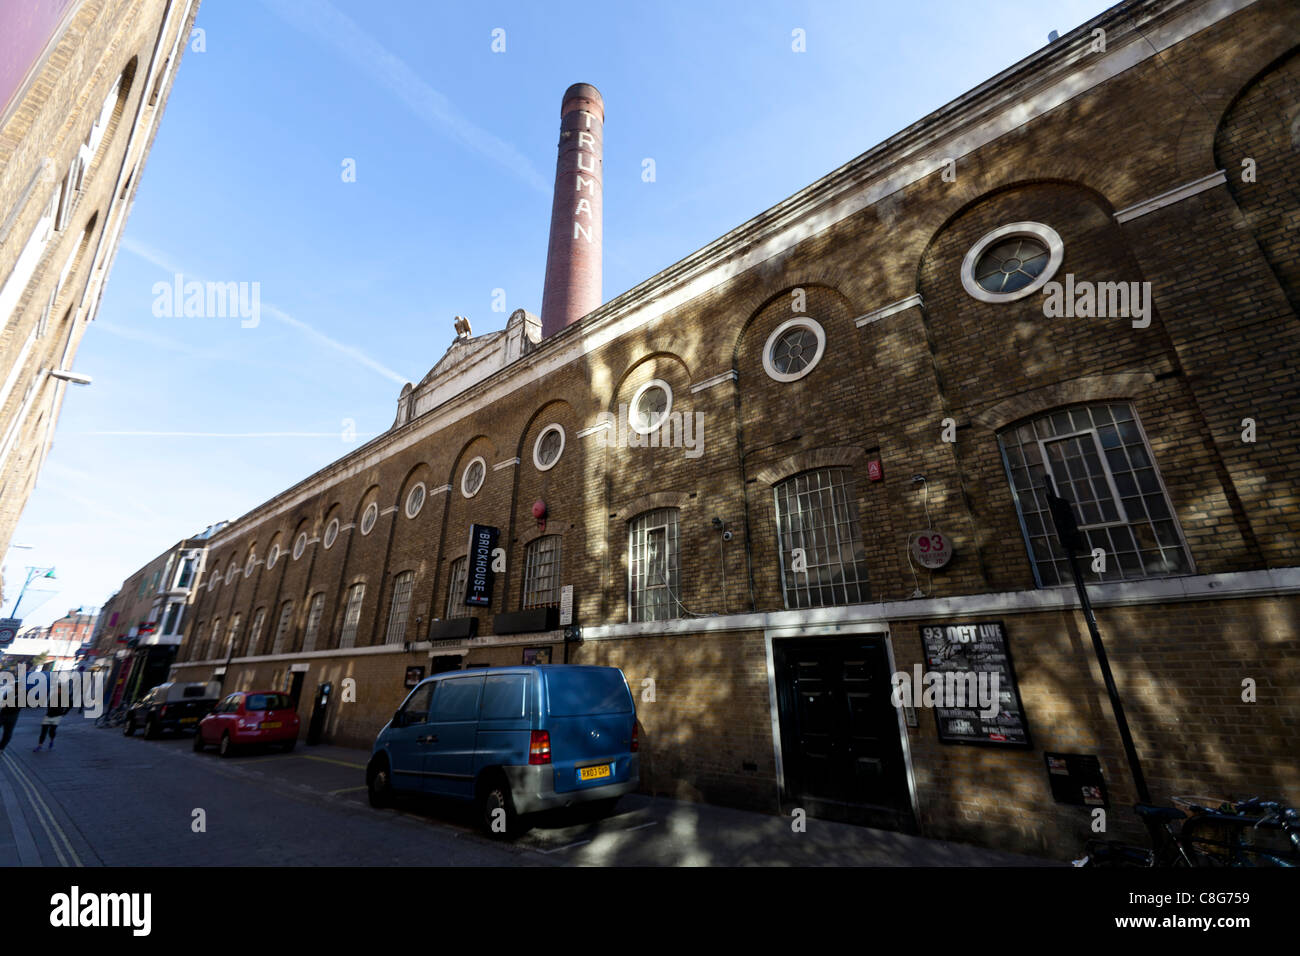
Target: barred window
[
  {"x": 542, "y": 572},
  {"x": 652, "y": 566},
  {"x": 214, "y": 641},
  {"x": 232, "y": 636},
  {"x": 282, "y": 627},
  {"x": 1100, "y": 462},
  {"x": 401, "y": 608},
  {"x": 817, "y": 511},
  {"x": 352, "y": 616},
  {"x": 255, "y": 633},
  {"x": 313, "y": 621},
  {"x": 456, "y": 606}
]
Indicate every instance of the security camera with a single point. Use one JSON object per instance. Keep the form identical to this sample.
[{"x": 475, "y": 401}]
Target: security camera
[
  {"x": 76, "y": 378},
  {"x": 717, "y": 524},
  {"x": 726, "y": 536}
]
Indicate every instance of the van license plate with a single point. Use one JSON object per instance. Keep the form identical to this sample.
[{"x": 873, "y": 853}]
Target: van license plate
[
  {"x": 593, "y": 773},
  {"x": 271, "y": 725},
  {"x": 189, "y": 720}
]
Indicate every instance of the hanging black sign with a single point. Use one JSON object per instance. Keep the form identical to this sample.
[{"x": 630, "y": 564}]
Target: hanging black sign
[
  {"x": 972, "y": 653},
  {"x": 478, "y": 580}
]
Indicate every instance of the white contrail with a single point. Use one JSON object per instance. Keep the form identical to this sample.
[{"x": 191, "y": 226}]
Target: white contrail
[{"x": 319, "y": 19}]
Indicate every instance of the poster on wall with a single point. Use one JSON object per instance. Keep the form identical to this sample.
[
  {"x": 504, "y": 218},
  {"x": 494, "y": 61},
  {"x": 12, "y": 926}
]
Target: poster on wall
[
  {"x": 537, "y": 655},
  {"x": 969, "y": 664},
  {"x": 478, "y": 579}
]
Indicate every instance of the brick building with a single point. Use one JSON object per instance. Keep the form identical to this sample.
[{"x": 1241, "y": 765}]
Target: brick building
[
  {"x": 60, "y": 644},
  {"x": 83, "y": 84},
  {"x": 868, "y": 387}
]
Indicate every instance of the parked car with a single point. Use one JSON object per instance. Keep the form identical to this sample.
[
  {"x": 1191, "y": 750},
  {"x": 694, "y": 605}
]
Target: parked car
[
  {"x": 247, "y": 718},
  {"x": 514, "y": 740},
  {"x": 176, "y": 707}
]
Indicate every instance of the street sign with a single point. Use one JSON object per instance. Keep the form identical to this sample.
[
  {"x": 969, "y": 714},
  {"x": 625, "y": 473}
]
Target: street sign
[
  {"x": 566, "y": 605},
  {"x": 931, "y": 548},
  {"x": 9, "y": 629}
]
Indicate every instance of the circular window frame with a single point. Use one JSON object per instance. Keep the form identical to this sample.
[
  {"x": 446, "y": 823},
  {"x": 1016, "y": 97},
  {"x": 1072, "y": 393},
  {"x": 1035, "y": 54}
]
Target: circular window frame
[
  {"x": 232, "y": 572},
  {"x": 636, "y": 400},
  {"x": 299, "y": 545},
  {"x": 370, "y": 515},
  {"x": 537, "y": 447},
  {"x": 331, "y": 534},
  {"x": 424, "y": 494},
  {"x": 214, "y": 581},
  {"x": 1030, "y": 230},
  {"x": 465, "y": 474},
  {"x": 250, "y": 565},
  {"x": 802, "y": 321},
  {"x": 273, "y": 555}
]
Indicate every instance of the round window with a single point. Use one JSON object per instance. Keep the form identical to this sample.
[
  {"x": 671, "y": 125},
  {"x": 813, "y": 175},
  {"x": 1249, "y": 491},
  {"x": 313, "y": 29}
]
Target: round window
[
  {"x": 472, "y": 480},
  {"x": 650, "y": 406},
  {"x": 273, "y": 556},
  {"x": 331, "y": 534},
  {"x": 250, "y": 565},
  {"x": 793, "y": 349},
  {"x": 231, "y": 572},
  {"x": 214, "y": 580},
  {"x": 1012, "y": 262},
  {"x": 370, "y": 517},
  {"x": 415, "y": 500},
  {"x": 548, "y": 448},
  {"x": 299, "y": 546}
]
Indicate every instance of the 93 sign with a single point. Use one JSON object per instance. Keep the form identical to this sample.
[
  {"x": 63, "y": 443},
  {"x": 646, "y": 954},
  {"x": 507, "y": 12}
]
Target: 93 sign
[{"x": 931, "y": 548}]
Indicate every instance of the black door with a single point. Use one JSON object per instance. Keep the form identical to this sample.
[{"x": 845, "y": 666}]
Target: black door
[
  {"x": 841, "y": 749},
  {"x": 295, "y": 687}
]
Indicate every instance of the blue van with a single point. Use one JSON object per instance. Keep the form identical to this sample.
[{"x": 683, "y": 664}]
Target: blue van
[{"x": 515, "y": 740}]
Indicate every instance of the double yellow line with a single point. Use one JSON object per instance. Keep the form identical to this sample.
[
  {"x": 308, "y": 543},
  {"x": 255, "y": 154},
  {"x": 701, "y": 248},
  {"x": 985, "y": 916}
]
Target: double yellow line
[{"x": 44, "y": 815}]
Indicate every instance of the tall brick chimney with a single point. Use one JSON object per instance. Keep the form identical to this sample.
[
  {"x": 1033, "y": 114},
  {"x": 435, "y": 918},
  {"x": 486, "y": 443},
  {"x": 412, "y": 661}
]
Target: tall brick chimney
[{"x": 573, "y": 255}]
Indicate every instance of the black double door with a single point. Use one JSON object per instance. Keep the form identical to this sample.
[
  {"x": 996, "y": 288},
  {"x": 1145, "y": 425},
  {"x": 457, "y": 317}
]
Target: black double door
[{"x": 841, "y": 746}]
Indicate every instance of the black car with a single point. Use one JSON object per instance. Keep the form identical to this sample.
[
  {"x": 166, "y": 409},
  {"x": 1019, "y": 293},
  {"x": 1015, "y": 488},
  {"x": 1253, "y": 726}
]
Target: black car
[{"x": 174, "y": 707}]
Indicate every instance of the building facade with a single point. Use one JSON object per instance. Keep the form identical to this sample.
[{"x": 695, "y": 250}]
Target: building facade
[
  {"x": 144, "y": 621},
  {"x": 83, "y": 84},
  {"x": 815, "y": 454},
  {"x": 60, "y": 645}
]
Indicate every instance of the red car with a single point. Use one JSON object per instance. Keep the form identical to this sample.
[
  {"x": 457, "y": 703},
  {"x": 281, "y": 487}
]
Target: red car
[{"x": 249, "y": 717}]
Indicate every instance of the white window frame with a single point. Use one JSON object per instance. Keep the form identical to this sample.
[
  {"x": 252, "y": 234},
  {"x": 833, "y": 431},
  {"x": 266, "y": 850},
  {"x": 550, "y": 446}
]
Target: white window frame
[
  {"x": 314, "y": 611},
  {"x": 537, "y": 447},
  {"x": 412, "y": 512},
  {"x": 282, "y": 627},
  {"x": 331, "y": 534},
  {"x": 369, "y": 518},
  {"x": 300, "y": 545},
  {"x": 464, "y": 477},
  {"x": 803, "y": 322},
  {"x": 273, "y": 555},
  {"x": 637, "y": 557},
  {"x": 458, "y": 578},
  {"x": 532, "y": 569},
  {"x": 255, "y": 635},
  {"x": 632, "y": 415},
  {"x": 400, "y": 608},
  {"x": 1029, "y": 230}
]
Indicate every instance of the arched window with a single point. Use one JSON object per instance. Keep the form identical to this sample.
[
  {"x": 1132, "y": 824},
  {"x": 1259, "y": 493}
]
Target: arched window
[
  {"x": 1098, "y": 458},
  {"x": 542, "y": 572},
  {"x": 459, "y": 573},
  {"x": 314, "y": 611},
  {"x": 352, "y": 616},
  {"x": 823, "y": 561},
  {"x": 255, "y": 633},
  {"x": 282, "y": 627},
  {"x": 401, "y": 607},
  {"x": 653, "y": 565}
]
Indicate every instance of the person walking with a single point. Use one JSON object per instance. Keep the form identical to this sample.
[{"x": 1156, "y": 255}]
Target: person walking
[
  {"x": 50, "y": 724},
  {"x": 8, "y": 713}
]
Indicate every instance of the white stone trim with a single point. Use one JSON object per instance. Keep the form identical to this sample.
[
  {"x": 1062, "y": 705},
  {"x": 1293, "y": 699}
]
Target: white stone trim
[
  {"x": 636, "y": 397},
  {"x": 1171, "y": 196},
  {"x": 728, "y": 376},
  {"x": 508, "y": 463},
  {"x": 851, "y": 619},
  {"x": 1068, "y": 69},
  {"x": 385, "y": 512},
  {"x": 885, "y": 311},
  {"x": 478, "y": 459},
  {"x": 440, "y": 490},
  {"x": 598, "y": 427}
]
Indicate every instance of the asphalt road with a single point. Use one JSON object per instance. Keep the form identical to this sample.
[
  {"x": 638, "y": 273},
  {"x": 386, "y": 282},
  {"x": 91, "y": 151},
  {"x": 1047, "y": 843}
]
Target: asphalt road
[{"x": 102, "y": 799}]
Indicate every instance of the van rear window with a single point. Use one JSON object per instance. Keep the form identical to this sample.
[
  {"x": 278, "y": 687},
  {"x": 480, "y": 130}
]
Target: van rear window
[{"x": 598, "y": 690}]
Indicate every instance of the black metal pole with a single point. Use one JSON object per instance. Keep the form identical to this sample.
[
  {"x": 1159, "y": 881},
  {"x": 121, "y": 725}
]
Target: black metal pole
[{"x": 1067, "y": 530}]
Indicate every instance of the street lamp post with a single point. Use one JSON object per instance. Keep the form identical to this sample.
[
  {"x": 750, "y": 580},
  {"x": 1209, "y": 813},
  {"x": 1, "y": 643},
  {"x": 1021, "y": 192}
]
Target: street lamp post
[{"x": 31, "y": 573}]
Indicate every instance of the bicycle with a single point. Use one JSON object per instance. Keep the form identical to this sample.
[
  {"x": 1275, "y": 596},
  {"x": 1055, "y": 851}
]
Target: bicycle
[
  {"x": 1226, "y": 835},
  {"x": 113, "y": 718}
]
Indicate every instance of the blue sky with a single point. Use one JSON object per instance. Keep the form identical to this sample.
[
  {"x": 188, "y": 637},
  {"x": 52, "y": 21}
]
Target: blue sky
[{"x": 195, "y": 420}]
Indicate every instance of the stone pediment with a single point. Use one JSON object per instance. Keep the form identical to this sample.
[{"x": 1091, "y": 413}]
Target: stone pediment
[{"x": 469, "y": 360}]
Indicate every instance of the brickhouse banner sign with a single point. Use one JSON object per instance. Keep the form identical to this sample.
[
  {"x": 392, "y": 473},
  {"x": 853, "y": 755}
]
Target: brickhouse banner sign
[{"x": 478, "y": 581}]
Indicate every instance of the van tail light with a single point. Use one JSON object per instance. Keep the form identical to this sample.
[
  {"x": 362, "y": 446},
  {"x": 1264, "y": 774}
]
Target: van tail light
[
  {"x": 163, "y": 712},
  {"x": 636, "y": 740},
  {"x": 539, "y": 748}
]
